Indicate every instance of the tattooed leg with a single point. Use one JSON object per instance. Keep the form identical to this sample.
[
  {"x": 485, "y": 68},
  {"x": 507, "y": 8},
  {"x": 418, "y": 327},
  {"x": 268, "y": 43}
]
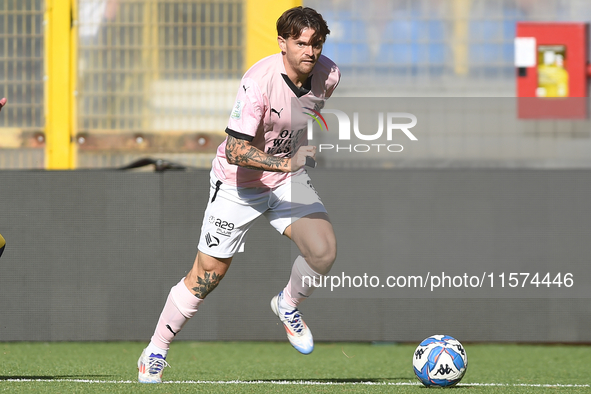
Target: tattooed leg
[
  {"x": 184, "y": 299},
  {"x": 206, "y": 284},
  {"x": 206, "y": 274}
]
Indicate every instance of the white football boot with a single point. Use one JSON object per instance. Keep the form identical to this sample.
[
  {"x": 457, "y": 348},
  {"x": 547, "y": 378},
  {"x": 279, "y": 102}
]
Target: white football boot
[
  {"x": 151, "y": 368},
  {"x": 298, "y": 333}
]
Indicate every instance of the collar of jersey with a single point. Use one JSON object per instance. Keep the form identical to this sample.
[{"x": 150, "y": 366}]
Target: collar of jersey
[{"x": 299, "y": 92}]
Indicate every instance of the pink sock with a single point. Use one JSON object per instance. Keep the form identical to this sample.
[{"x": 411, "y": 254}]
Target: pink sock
[
  {"x": 301, "y": 282},
  {"x": 180, "y": 306}
]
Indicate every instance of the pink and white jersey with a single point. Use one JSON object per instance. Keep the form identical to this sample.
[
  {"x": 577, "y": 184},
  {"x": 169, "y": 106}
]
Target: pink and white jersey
[{"x": 262, "y": 115}]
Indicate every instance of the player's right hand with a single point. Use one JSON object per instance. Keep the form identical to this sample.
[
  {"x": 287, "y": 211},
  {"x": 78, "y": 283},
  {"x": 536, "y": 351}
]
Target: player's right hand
[
  {"x": 299, "y": 159},
  {"x": 2, "y": 103}
]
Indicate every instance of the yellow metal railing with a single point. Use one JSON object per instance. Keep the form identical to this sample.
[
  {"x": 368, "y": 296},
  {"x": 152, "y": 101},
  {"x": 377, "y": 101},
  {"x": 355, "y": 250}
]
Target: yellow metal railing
[{"x": 60, "y": 63}]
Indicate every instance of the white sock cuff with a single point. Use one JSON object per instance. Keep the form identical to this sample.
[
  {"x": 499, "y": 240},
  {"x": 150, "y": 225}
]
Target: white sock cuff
[
  {"x": 153, "y": 349},
  {"x": 185, "y": 301}
]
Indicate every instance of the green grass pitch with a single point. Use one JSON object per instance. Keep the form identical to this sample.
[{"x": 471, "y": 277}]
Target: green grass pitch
[{"x": 269, "y": 367}]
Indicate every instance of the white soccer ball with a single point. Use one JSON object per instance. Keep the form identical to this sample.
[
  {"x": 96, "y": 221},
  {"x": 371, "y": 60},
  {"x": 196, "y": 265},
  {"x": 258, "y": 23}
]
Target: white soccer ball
[{"x": 440, "y": 360}]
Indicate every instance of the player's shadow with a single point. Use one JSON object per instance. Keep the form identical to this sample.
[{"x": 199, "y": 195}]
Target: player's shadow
[{"x": 53, "y": 377}]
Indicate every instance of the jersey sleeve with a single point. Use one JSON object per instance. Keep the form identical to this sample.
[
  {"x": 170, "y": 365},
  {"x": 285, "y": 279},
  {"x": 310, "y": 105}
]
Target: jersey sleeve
[
  {"x": 333, "y": 80},
  {"x": 248, "y": 111}
]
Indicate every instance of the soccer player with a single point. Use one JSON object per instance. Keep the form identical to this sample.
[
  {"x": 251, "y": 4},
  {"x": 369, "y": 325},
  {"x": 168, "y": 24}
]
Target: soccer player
[{"x": 259, "y": 170}]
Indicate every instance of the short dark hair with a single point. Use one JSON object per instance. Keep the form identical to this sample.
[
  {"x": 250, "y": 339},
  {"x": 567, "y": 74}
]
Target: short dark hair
[{"x": 295, "y": 20}]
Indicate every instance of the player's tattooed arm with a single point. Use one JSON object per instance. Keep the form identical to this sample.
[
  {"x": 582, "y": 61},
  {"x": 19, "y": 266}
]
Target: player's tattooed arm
[
  {"x": 206, "y": 284},
  {"x": 243, "y": 154}
]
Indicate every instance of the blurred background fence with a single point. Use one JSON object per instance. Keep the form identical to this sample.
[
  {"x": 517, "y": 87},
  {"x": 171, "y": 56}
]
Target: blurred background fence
[
  {"x": 21, "y": 79},
  {"x": 153, "y": 67},
  {"x": 158, "y": 77}
]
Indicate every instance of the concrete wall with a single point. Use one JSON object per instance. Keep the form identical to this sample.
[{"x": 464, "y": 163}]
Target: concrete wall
[{"x": 91, "y": 255}]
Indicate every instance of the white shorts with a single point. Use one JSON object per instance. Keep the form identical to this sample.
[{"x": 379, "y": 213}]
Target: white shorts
[{"x": 231, "y": 211}]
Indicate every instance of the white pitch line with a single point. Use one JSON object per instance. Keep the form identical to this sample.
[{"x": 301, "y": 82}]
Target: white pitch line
[{"x": 291, "y": 382}]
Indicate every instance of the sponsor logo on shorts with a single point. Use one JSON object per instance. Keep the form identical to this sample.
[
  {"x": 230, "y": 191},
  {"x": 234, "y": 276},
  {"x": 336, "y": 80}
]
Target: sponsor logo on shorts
[
  {"x": 211, "y": 240},
  {"x": 225, "y": 233},
  {"x": 223, "y": 227}
]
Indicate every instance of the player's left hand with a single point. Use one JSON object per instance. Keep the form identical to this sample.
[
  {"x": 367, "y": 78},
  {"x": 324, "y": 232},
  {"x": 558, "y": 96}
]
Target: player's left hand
[
  {"x": 299, "y": 159},
  {"x": 2, "y": 103}
]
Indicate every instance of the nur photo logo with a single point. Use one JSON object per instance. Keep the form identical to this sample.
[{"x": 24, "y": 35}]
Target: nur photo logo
[
  {"x": 389, "y": 125},
  {"x": 317, "y": 117}
]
